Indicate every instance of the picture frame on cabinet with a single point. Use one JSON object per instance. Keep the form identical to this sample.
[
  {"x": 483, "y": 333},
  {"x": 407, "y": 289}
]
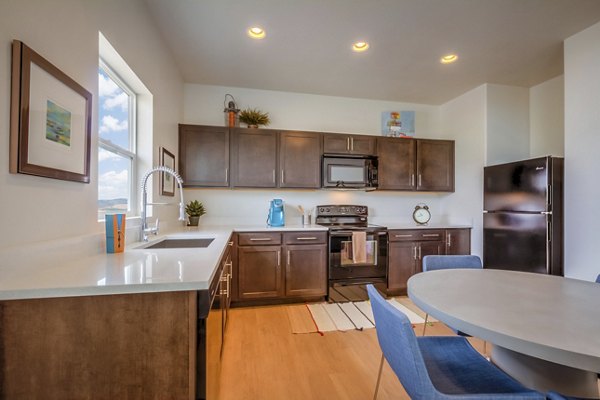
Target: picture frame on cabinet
[
  {"x": 398, "y": 123},
  {"x": 50, "y": 120},
  {"x": 167, "y": 182}
]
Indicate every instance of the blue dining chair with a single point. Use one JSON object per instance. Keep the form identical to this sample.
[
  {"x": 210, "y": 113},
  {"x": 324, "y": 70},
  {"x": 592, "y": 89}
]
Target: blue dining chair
[
  {"x": 438, "y": 367},
  {"x": 598, "y": 279},
  {"x": 434, "y": 262},
  {"x": 552, "y": 395}
]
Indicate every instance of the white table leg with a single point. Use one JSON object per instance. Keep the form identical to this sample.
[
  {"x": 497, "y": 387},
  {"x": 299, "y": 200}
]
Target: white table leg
[{"x": 544, "y": 375}]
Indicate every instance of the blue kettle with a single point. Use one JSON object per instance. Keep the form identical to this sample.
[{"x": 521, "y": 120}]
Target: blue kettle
[{"x": 276, "y": 216}]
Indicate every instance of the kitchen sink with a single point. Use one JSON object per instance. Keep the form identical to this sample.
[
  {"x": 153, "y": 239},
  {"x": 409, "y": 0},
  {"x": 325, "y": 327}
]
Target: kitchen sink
[{"x": 180, "y": 243}]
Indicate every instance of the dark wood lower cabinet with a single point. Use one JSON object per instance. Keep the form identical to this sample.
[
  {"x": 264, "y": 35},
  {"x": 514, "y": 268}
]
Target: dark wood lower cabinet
[
  {"x": 401, "y": 265},
  {"x": 305, "y": 271},
  {"x": 295, "y": 269},
  {"x": 259, "y": 272},
  {"x": 407, "y": 248},
  {"x": 134, "y": 346},
  {"x": 458, "y": 241}
]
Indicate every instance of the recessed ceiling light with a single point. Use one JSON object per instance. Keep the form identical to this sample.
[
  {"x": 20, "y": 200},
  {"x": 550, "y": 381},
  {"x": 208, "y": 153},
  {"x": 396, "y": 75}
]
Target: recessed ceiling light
[
  {"x": 360, "y": 46},
  {"x": 256, "y": 32},
  {"x": 449, "y": 59}
]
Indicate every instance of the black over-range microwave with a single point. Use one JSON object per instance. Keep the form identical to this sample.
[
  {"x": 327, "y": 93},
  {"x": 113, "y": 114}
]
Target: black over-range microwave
[{"x": 349, "y": 172}]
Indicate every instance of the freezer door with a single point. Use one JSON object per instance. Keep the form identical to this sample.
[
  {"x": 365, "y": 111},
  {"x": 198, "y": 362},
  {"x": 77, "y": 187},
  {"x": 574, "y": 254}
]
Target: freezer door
[
  {"x": 516, "y": 241},
  {"x": 517, "y": 186}
]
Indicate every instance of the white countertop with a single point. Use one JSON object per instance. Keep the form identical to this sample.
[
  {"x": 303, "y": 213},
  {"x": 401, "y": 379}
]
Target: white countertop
[
  {"x": 136, "y": 270},
  {"x": 56, "y": 273},
  {"x": 412, "y": 225}
]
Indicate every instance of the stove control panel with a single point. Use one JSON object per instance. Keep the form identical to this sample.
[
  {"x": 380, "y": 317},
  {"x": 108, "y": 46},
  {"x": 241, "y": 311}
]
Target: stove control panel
[{"x": 342, "y": 210}]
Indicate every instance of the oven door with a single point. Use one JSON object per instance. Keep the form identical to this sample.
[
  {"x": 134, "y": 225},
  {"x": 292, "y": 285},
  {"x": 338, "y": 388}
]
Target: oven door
[{"x": 342, "y": 268}]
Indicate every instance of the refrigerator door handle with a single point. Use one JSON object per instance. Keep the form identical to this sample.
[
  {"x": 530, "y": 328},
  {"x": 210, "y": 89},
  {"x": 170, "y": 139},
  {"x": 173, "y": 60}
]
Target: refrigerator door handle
[{"x": 548, "y": 244}]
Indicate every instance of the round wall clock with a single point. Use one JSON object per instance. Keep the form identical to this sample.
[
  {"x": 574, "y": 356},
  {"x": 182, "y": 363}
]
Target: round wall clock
[{"x": 421, "y": 215}]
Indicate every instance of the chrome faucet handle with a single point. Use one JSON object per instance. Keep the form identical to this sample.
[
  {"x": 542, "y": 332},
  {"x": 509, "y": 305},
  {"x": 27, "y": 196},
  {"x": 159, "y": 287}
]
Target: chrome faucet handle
[{"x": 153, "y": 230}]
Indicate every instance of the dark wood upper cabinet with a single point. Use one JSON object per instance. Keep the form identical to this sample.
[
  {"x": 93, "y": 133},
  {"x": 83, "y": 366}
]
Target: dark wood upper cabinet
[
  {"x": 397, "y": 163},
  {"x": 254, "y": 158},
  {"x": 212, "y": 156},
  {"x": 435, "y": 165},
  {"x": 416, "y": 164},
  {"x": 300, "y": 159},
  {"x": 349, "y": 144},
  {"x": 204, "y": 155}
]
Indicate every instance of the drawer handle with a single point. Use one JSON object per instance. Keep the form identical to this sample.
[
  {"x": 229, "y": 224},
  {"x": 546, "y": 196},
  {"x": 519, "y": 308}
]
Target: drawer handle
[
  {"x": 307, "y": 238},
  {"x": 403, "y": 236},
  {"x": 431, "y": 235},
  {"x": 260, "y": 239}
]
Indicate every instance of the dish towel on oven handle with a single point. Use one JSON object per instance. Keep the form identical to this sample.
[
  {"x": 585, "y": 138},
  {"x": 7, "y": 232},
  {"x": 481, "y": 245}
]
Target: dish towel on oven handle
[{"x": 359, "y": 247}]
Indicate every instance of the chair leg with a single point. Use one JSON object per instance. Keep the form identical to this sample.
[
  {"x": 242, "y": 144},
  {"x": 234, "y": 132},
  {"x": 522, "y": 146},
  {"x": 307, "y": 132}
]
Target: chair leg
[
  {"x": 378, "y": 377},
  {"x": 425, "y": 324}
]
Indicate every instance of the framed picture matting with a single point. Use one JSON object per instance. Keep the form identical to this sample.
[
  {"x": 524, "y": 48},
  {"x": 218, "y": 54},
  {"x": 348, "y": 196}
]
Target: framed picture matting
[{"x": 51, "y": 119}]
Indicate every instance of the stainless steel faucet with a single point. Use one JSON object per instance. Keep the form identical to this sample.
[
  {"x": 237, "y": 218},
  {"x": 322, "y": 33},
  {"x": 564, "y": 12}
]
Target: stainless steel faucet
[{"x": 145, "y": 230}]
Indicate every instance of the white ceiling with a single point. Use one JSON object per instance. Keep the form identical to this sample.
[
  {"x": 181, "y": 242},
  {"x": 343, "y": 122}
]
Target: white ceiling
[{"x": 307, "y": 48}]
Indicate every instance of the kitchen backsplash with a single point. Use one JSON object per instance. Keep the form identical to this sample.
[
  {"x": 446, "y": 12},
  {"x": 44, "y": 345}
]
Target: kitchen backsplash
[{"x": 241, "y": 206}]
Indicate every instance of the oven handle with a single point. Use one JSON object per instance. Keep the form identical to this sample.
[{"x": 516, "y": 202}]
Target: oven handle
[{"x": 346, "y": 233}]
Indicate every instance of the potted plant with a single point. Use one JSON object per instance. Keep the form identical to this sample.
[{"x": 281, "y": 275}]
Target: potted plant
[
  {"x": 253, "y": 117},
  {"x": 194, "y": 209}
]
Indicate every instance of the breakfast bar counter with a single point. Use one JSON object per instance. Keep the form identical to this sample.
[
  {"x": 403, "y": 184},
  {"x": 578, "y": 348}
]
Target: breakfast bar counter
[{"x": 136, "y": 270}]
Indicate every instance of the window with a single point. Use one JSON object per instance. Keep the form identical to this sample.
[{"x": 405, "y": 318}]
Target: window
[{"x": 116, "y": 144}]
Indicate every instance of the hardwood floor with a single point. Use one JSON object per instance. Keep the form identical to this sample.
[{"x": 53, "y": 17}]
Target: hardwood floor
[{"x": 262, "y": 359}]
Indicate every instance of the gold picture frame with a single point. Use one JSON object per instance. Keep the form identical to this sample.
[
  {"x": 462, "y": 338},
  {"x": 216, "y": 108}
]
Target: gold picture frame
[{"x": 50, "y": 119}]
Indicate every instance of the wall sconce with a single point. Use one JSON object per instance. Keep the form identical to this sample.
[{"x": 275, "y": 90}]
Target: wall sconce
[{"x": 231, "y": 111}]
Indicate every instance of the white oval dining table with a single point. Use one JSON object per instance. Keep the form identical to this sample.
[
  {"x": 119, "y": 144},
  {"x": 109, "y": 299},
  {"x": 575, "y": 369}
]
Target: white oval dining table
[{"x": 545, "y": 329}]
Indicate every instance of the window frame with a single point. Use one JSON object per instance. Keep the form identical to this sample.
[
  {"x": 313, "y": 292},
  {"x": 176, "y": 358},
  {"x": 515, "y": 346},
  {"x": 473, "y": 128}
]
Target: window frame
[{"x": 108, "y": 145}]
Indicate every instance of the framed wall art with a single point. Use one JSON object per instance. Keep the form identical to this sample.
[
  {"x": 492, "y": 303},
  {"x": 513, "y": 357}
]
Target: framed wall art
[
  {"x": 51, "y": 120},
  {"x": 167, "y": 182}
]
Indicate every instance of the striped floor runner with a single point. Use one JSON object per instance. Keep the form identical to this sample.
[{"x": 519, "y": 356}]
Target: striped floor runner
[{"x": 327, "y": 317}]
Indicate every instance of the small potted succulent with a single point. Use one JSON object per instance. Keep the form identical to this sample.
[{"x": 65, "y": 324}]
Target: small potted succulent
[
  {"x": 253, "y": 117},
  {"x": 194, "y": 209}
]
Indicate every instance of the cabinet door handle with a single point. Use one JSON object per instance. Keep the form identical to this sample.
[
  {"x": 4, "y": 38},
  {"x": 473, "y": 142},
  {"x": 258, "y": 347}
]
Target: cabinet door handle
[
  {"x": 260, "y": 239},
  {"x": 288, "y": 258},
  {"x": 352, "y": 143},
  {"x": 449, "y": 240},
  {"x": 282, "y": 178},
  {"x": 230, "y": 243},
  {"x": 419, "y": 252},
  {"x": 420, "y": 180},
  {"x": 415, "y": 252},
  {"x": 307, "y": 238},
  {"x": 274, "y": 176},
  {"x": 412, "y": 179},
  {"x": 278, "y": 258},
  {"x": 226, "y": 174},
  {"x": 348, "y": 143},
  {"x": 403, "y": 236},
  {"x": 431, "y": 235}
]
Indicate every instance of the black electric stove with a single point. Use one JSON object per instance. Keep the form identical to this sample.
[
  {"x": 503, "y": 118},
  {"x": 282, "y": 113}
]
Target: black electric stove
[{"x": 343, "y": 221}]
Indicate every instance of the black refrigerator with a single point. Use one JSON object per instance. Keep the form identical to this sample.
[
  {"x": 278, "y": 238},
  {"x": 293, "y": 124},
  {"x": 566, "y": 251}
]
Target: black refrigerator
[{"x": 523, "y": 216}]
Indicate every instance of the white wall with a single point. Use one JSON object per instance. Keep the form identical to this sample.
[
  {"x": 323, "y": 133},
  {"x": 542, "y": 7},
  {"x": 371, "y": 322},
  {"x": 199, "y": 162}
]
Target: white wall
[
  {"x": 66, "y": 33},
  {"x": 464, "y": 120},
  {"x": 507, "y": 129},
  {"x": 546, "y": 118},
  {"x": 582, "y": 162},
  {"x": 204, "y": 105}
]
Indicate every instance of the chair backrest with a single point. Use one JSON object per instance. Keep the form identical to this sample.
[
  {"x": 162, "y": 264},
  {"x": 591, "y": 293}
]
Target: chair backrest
[
  {"x": 598, "y": 279},
  {"x": 399, "y": 345},
  {"x": 432, "y": 263}
]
